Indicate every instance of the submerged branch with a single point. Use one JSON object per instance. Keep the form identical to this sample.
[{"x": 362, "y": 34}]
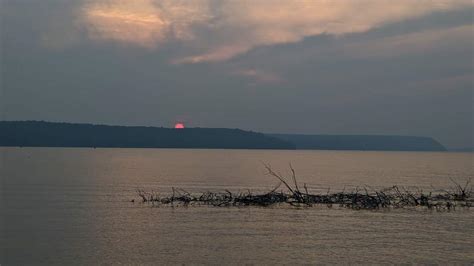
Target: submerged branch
[{"x": 367, "y": 198}]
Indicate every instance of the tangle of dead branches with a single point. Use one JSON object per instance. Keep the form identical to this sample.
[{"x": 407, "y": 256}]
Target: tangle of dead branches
[{"x": 458, "y": 196}]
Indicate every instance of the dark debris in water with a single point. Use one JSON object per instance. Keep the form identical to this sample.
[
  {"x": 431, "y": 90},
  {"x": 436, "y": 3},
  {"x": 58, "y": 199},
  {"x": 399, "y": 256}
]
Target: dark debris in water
[{"x": 458, "y": 196}]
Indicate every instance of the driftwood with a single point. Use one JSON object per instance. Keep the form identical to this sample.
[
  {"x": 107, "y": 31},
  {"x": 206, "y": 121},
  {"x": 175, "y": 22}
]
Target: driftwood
[{"x": 459, "y": 196}]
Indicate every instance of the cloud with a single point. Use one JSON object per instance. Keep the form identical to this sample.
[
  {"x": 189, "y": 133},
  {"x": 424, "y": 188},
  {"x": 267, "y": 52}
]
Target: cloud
[
  {"x": 414, "y": 69},
  {"x": 259, "y": 76},
  {"x": 411, "y": 43},
  {"x": 218, "y": 54},
  {"x": 142, "y": 22},
  {"x": 218, "y": 31},
  {"x": 126, "y": 21}
]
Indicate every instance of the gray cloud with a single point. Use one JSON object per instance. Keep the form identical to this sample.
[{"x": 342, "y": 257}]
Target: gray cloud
[{"x": 408, "y": 76}]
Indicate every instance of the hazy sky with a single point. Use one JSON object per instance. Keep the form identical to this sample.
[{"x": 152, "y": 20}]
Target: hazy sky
[{"x": 322, "y": 67}]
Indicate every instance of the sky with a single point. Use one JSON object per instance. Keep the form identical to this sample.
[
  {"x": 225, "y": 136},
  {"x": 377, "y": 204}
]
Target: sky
[{"x": 311, "y": 67}]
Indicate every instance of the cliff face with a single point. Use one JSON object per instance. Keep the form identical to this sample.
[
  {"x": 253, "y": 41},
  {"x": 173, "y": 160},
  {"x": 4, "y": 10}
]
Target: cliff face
[
  {"x": 361, "y": 142},
  {"x": 46, "y": 134}
]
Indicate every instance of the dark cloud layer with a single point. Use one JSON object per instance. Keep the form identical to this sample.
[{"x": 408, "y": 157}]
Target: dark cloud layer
[{"x": 412, "y": 76}]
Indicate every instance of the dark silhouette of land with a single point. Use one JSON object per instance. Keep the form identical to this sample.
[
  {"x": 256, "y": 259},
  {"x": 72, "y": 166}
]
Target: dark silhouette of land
[
  {"x": 467, "y": 149},
  {"x": 361, "y": 142},
  {"x": 48, "y": 134}
]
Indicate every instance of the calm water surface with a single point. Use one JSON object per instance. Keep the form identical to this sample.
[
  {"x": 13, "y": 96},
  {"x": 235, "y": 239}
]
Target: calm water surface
[{"x": 72, "y": 206}]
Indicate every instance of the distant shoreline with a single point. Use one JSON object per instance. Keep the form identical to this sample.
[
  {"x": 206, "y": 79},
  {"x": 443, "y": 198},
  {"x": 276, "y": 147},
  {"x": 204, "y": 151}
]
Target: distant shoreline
[
  {"x": 461, "y": 150},
  {"x": 71, "y": 135},
  {"x": 223, "y": 149}
]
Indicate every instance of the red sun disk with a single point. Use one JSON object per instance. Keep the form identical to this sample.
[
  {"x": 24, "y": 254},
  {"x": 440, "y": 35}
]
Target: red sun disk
[{"x": 179, "y": 125}]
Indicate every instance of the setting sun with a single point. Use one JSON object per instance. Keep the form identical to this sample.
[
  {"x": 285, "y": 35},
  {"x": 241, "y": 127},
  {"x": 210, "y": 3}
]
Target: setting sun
[
  {"x": 236, "y": 132},
  {"x": 179, "y": 125}
]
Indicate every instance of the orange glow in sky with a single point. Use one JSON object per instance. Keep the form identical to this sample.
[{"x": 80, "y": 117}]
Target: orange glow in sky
[
  {"x": 179, "y": 125},
  {"x": 151, "y": 23}
]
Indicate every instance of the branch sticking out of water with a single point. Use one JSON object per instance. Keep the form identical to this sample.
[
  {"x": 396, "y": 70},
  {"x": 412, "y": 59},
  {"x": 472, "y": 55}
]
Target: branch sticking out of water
[{"x": 459, "y": 196}]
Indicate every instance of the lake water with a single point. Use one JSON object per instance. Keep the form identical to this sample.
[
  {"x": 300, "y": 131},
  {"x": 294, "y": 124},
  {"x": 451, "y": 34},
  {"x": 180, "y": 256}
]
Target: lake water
[{"x": 72, "y": 206}]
